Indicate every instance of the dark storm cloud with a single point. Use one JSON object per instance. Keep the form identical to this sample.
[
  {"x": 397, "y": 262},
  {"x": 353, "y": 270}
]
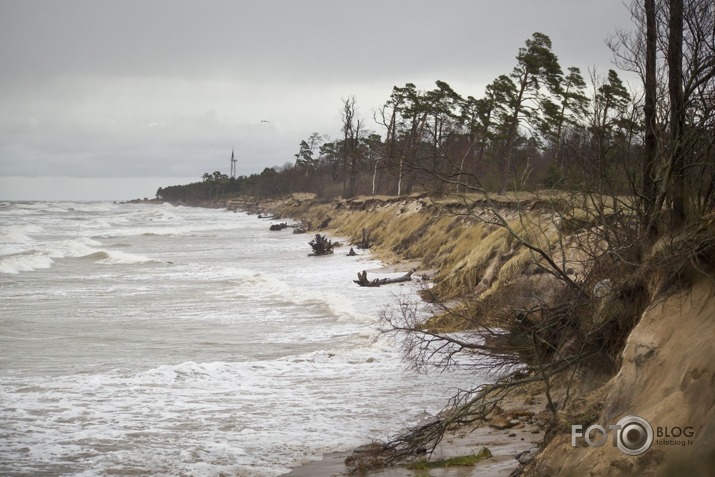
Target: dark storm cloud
[{"x": 98, "y": 88}]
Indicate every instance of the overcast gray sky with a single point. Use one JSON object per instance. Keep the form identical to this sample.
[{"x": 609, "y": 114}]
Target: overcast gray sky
[{"x": 105, "y": 99}]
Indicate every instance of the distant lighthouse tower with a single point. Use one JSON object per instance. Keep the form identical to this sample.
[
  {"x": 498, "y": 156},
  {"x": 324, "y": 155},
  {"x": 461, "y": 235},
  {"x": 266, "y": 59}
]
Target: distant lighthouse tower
[{"x": 233, "y": 165}]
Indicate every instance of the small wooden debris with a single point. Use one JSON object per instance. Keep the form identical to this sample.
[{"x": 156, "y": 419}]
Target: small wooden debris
[{"x": 301, "y": 227}]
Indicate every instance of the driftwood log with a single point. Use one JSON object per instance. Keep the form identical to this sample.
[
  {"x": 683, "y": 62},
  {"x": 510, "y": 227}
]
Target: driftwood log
[
  {"x": 299, "y": 228},
  {"x": 364, "y": 282}
]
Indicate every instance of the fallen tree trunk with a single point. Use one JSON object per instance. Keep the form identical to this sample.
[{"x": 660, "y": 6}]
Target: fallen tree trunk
[{"x": 364, "y": 282}]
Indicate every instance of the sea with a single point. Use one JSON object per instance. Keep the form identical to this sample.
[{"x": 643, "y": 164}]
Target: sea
[{"x": 152, "y": 339}]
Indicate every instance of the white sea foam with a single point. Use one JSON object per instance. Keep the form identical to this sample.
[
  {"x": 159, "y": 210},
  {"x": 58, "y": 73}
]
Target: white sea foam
[
  {"x": 77, "y": 247},
  {"x": 36, "y": 255},
  {"x": 256, "y": 417},
  {"x": 116, "y": 257},
  {"x": 25, "y": 263},
  {"x": 15, "y": 238}
]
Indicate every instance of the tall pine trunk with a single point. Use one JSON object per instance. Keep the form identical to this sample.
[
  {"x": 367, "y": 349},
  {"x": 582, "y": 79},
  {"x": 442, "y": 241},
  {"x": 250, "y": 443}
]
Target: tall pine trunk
[
  {"x": 677, "y": 110},
  {"x": 649, "y": 112}
]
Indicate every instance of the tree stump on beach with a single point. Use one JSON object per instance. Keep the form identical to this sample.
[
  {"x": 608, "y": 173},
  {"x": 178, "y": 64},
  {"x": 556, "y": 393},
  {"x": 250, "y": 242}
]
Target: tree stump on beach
[
  {"x": 364, "y": 244},
  {"x": 321, "y": 245}
]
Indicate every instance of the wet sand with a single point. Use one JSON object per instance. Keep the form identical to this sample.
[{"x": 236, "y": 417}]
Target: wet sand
[{"x": 504, "y": 444}]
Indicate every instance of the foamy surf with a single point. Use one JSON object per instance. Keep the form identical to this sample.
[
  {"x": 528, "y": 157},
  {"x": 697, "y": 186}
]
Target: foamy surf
[{"x": 212, "y": 346}]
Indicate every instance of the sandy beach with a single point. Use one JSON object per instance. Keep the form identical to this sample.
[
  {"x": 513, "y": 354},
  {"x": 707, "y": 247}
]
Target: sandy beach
[{"x": 504, "y": 444}]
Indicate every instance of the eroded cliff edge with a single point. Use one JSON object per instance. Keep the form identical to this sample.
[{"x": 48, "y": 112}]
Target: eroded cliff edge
[{"x": 667, "y": 376}]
